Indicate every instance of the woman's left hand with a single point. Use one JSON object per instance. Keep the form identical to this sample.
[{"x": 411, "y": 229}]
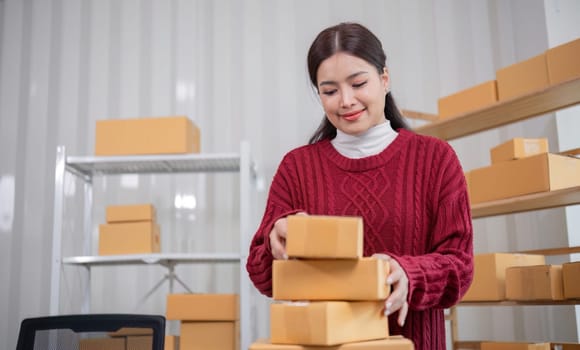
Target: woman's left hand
[{"x": 397, "y": 300}]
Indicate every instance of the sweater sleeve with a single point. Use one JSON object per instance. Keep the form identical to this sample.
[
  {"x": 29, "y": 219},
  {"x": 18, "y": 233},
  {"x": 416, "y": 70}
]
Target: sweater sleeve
[
  {"x": 440, "y": 278},
  {"x": 278, "y": 205}
]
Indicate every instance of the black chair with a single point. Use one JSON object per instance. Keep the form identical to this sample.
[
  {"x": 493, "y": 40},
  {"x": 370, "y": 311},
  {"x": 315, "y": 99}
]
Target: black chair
[{"x": 91, "y": 331}]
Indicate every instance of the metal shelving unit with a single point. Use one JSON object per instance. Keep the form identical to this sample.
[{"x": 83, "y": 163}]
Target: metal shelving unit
[{"x": 89, "y": 167}]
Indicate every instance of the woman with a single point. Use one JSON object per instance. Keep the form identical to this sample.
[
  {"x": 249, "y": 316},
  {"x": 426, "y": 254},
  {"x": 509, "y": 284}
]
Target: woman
[{"x": 363, "y": 161}]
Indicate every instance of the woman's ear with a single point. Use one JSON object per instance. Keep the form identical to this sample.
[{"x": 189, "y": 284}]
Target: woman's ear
[{"x": 385, "y": 79}]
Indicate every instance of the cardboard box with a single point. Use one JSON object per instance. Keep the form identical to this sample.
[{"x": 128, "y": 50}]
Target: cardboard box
[
  {"x": 563, "y": 62},
  {"x": 468, "y": 100},
  {"x": 514, "y": 346},
  {"x": 209, "y": 336},
  {"x": 542, "y": 282},
  {"x": 102, "y": 344},
  {"x": 318, "y": 236},
  {"x": 571, "y": 280},
  {"x": 361, "y": 279},
  {"x": 171, "y": 342},
  {"x": 489, "y": 274},
  {"x": 522, "y": 78},
  {"x": 327, "y": 322},
  {"x": 129, "y": 238},
  {"x": 391, "y": 343},
  {"x": 467, "y": 175},
  {"x": 565, "y": 346},
  {"x": 142, "y": 342},
  {"x": 163, "y": 135},
  {"x": 510, "y": 179},
  {"x": 203, "y": 307},
  {"x": 518, "y": 148},
  {"x": 130, "y": 213}
]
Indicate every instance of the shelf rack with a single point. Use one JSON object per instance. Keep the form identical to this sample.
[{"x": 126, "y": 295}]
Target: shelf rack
[
  {"x": 520, "y": 108},
  {"x": 89, "y": 167}
]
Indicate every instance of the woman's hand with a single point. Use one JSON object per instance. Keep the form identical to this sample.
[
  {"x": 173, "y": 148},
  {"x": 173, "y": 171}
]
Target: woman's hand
[
  {"x": 397, "y": 300},
  {"x": 278, "y": 237}
]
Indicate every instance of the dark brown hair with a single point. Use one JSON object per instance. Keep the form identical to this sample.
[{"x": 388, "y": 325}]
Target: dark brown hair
[{"x": 358, "y": 41}]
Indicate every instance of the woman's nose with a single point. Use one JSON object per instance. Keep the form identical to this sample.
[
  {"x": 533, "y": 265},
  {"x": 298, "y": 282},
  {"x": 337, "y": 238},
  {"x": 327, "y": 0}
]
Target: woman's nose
[{"x": 346, "y": 98}]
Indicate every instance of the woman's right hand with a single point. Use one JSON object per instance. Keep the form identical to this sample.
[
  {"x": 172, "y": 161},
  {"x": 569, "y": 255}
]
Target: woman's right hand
[{"x": 278, "y": 238}]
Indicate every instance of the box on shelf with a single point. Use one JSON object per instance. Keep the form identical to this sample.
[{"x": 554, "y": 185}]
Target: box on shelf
[
  {"x": 571, "y": 282},
  {"x": 217, "y": 335},
  {"x": 129, "y": 238},
  {"x": 514, "y": 346},
  {"x": 130, "y": 213},
  {"x": 468, "y": 100},
  {"x": 490, "y": 274},
  {"x": 160, "y": 135},
  {"x": 141, "y": 342},
  {"x": 563, "y": 62},
  {"x": 102, "y": 343},
  {"x": 540, "y": 282},
  {"x": 391, "y": 343},
  {"x": 522, "y": 77},
  {"x": 518, "y": 148},
  {"x": 345, "y": 279},
  {"x": 203, "y": 307},
  {"x": 327, "y": 322},
  {"x": 510, "y": 179},
  {"x": 318, "y": 236},
  {"x": 171, "y": 342}
]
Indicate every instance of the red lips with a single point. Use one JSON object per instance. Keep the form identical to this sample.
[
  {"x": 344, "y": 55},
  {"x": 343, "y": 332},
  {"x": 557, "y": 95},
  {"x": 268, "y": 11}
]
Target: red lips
[{"x": 352, "y": 116}]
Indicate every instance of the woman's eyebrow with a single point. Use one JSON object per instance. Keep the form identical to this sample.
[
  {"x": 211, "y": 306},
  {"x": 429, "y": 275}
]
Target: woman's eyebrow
[{"x": 353, "y": 75}]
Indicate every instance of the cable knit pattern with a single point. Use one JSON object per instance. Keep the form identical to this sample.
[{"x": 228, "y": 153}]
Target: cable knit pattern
[{"x": 414, "y": 204}]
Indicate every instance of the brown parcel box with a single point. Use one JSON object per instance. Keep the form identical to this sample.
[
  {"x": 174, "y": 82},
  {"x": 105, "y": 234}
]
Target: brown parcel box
[
  {"x": 391, "y": 343},
  {"x": 518, "y": 148},
  {"x": 128, "y": 331},
  {"x": 318, "y": 236},
  {"x": 489, "y": 274},
  {"x": 514, "y": 346},
  {"x": 327, "y": 322},
  {"x": 570, "y": 275},
  {"x": 565, "y": 346},
  {"x": 522, "y": 78},
  {"x": 209, "y": 335},
  {"x": 163, "y": 135},
  {"x": 540, "y": 173},
  {"x": 130, "y": 213},
  {"x": 203, "y": 307},
  {"x": 361, "y": 279},
  {"x": 540, "y": 282},
  {"x": 171, "y": 342},
  {"x": 563, "y": 62},
  {"x": 129, "y": 238},
  {"x": 468, "y": 100},
  {"x": 142, "y": 342},
  {"x": 102, "y": 344}
]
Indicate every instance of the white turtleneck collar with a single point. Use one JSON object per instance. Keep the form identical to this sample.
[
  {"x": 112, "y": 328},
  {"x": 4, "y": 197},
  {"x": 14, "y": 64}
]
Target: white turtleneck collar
[{"x": 369, "y": 143}]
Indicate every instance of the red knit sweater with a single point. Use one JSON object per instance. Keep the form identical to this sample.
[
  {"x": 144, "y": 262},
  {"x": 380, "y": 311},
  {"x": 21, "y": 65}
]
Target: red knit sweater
[{"x": 413, "y": 200}]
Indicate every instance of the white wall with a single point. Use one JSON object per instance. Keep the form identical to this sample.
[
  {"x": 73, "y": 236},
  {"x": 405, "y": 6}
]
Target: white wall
[{"x": 237, "y": 68}]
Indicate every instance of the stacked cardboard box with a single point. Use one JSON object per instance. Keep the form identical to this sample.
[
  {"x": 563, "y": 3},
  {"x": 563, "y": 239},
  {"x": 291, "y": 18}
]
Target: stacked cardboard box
[
  {"x": 208, "y": 321},
  {"x": 327, "y": 294},
  {"x": 571, "y": 282},
  {"x": 514, "y": 346},
  {"x": 513, "y": 162},
  {"x": 125, "y": 339},
  {"x": 489, "y": 278},
  {"x": 130, "y": 229},
  {"x": 162, "y": 135}
]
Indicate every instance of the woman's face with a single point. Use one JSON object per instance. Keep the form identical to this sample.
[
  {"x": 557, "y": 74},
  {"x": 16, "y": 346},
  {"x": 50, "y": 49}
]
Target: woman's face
[{"x": 352, "y": 93}]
